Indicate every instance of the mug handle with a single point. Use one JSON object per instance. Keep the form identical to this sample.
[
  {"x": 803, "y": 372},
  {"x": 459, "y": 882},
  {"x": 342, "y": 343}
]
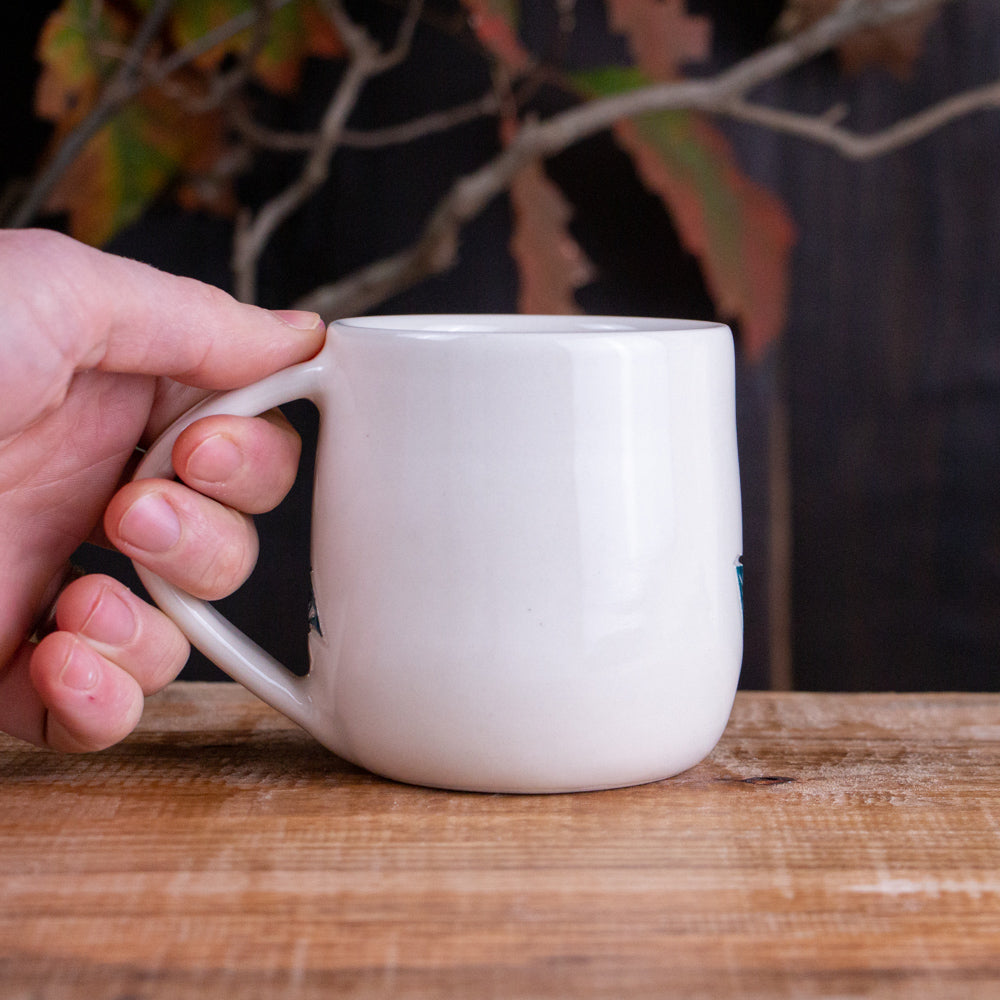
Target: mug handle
[{"x": 216, "y": 637}]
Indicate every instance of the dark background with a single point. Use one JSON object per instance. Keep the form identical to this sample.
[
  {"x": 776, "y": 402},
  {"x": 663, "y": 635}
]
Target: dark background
[{"x": 888, "y": 373}]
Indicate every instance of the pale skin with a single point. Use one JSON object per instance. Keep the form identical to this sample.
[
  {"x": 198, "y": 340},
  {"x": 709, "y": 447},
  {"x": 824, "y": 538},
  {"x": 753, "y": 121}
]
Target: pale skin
[{"x": 98, "y": 354}]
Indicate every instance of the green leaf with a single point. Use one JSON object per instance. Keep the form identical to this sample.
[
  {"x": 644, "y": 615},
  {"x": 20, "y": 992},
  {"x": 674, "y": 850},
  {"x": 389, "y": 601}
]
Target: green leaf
[{"x": 606, "y": 81}]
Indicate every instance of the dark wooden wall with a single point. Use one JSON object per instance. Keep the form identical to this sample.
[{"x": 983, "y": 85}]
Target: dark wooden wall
[
  {"x": 889, "y": 369},
  {"x": 891, "y": 372}
]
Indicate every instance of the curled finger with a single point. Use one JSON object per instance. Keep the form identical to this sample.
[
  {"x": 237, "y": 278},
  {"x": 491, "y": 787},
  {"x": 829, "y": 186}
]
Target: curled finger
[
  {"x": 197, "y": 544},
  {"x": 248, "y": 463},
  {"x": 91, "y": 675}
]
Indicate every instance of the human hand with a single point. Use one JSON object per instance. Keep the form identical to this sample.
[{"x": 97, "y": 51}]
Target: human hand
[{"x": 98, "y": 355}]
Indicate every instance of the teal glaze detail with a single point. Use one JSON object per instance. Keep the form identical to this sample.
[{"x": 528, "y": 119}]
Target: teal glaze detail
[{"x": 314, "y": 624}]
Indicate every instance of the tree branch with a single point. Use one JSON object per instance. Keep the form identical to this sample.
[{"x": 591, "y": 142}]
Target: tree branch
[
  {"x": 376, "y": 138},
  {"x": 855, "y": 146},
  {"x": 724, "y": 93},
  {"x": 367, "y": 60}
]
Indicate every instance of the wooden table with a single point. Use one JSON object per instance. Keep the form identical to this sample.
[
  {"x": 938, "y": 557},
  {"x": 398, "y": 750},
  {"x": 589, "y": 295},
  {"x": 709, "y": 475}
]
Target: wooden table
[{"x": 831, "y": 846}]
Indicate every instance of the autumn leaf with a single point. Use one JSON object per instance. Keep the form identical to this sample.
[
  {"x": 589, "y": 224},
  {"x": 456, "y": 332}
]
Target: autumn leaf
[
  {"x": 294, "y": 32},
  {"x": 124, "y": 166},
  {"x": 138, "y": 152},
  {"x": 160, "y": 136},
  {"x": 73, "y": 70},
  {"x": 896, "y": 45},
  {"x": 662, "y": 36},
  {"x": 494, "y": 23},
  {"x": 740, "y": 233},
  {"x": 550, "y": 263},
  {"x": 297, "y": 32}
]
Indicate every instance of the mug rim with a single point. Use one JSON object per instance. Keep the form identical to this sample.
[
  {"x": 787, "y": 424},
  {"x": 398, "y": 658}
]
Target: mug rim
[{"x": 507, "y": 324}]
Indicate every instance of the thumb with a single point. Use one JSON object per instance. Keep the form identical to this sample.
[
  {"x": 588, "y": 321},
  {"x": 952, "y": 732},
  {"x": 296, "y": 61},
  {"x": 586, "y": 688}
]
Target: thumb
[{"x": 69, "y": 307}]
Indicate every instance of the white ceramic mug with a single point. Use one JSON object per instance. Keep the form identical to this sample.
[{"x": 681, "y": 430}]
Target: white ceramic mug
[{"x": 526, "y": 544}]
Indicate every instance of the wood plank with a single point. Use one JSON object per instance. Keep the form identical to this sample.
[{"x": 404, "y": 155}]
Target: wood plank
[{"x": 832, "y": 845}]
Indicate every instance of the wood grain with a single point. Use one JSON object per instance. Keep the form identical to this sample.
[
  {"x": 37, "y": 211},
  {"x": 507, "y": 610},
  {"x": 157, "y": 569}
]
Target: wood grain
[{"x": 831, "y": 846}]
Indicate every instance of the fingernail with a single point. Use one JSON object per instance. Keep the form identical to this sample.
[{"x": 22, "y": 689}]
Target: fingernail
[
  {"x": 299, "y": 319},
  {"x": 111, "y": 620},
  {"x": 81, "y": 671},
  {"x": 215, "y": 460},
  {"x": 151, "y": 524}
]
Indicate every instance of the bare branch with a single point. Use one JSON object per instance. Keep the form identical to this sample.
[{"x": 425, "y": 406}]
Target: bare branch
[
  {"x": 436, "y": 248},
  {"x": 724, "y": 94},
  {"x": 855, "y": 146},
  {"x": 367, "y": 60},
  {"x": 252, "y": 238},
  {"x": 404, "y": 38},
  {"x": 377, "y": 138},
  {"x": 718, "y": 93},
  {"x": 435, "y": 251},
  {"x": 847, "y": 18},
  {"x": 424, "y": 126},
  {"x": 148, "y": 30}
]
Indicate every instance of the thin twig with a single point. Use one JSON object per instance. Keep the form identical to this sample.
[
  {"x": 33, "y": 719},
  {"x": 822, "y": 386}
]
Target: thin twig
[
  {"x": 857, "y": 146},
  {"x": 251, "y": 239},
  {"x": 430, "y": 124},
  {"x": 225, "y": 83},
  {"x": 717, "y": 93}
]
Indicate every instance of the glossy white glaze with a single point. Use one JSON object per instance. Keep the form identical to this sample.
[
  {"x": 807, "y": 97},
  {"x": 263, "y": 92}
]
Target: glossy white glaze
[{"x": 525, "y": 539}]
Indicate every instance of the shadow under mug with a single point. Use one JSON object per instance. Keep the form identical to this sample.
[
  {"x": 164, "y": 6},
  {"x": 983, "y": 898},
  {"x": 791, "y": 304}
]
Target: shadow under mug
[{"x": 526, "y": 542}]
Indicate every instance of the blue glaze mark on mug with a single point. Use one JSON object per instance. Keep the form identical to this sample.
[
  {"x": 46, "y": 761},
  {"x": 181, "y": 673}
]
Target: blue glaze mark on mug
[
  {"x": 314, "y": 624},
  {"x": 739, "y": 578}
]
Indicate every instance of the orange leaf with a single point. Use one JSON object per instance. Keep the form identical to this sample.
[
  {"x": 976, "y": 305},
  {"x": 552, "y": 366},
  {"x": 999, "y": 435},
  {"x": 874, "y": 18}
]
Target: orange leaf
[
  {"x": 661, "y": 35},
  {"x": 740, "y": 233},
  {"x": 321, "y": 38},
  {"x": 297, "y": 31},
  {"x": 72, "y": 69},
  {"x": 550, "y": 263},
  {"x": 157, "y": 139},
  {"x": 493, "y": 22}
]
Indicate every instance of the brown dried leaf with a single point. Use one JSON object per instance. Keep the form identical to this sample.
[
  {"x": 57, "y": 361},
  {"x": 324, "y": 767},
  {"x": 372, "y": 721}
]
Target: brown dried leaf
[
  {"x": 550, "y": 263},
  {"x": 896, "y": 45},
  {"x": 662, "y": 36}
]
